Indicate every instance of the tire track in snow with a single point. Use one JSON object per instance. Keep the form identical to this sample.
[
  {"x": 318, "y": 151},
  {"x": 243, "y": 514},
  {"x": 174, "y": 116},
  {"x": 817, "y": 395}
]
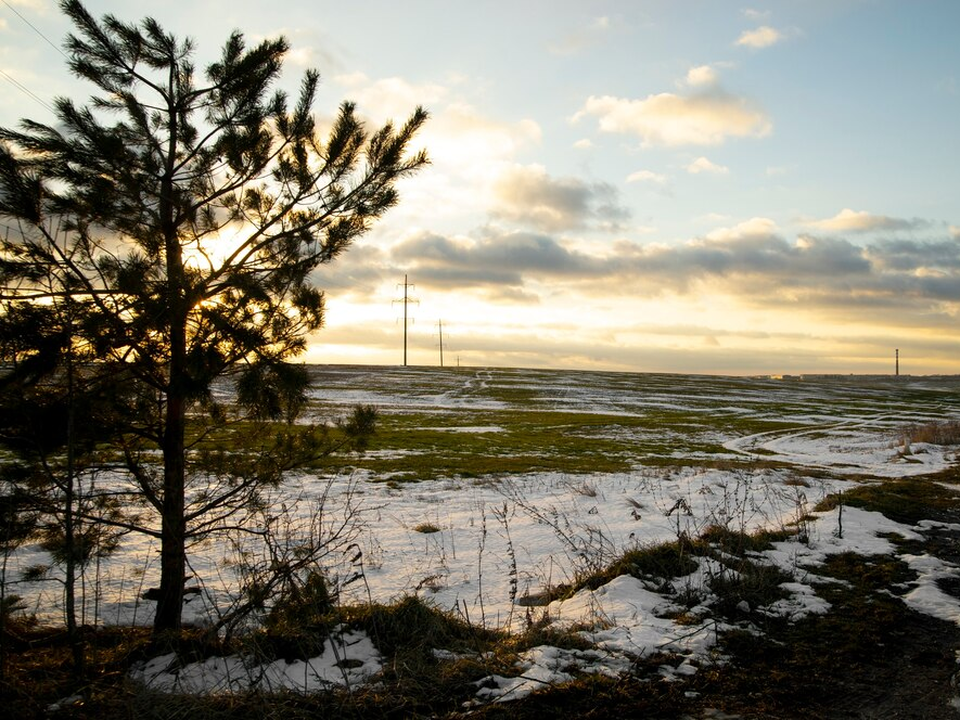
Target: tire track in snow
[{"x": 752, "y": 445}]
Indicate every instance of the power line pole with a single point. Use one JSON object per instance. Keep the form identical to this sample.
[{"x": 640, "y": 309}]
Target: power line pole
[
  {"x": 897, "y": 362},
  {"x": 405, "y": 320},
  {"x": 406, "y": 301},
  {"x": 440, "y": 325}
]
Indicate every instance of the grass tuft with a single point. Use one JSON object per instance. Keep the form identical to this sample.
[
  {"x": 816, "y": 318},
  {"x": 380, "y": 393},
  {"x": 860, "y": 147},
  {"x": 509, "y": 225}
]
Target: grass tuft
[{"x": 427, "y": 528}]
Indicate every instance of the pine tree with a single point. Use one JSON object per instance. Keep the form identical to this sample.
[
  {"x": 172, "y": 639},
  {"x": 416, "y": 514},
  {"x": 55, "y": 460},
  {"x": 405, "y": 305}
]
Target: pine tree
[{"x": 186, "y": 214}]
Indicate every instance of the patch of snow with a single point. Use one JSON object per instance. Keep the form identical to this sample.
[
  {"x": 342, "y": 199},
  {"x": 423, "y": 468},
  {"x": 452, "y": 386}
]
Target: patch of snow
[
  {"x": 545, "y": 666},
  {"x": 927, "y": 597},
  {"x": 348, "y": 659},
  {"x": 626, "y": 618},
  {"x": 803, "y": 601}
]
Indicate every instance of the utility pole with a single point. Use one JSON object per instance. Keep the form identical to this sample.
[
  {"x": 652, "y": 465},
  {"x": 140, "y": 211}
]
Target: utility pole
[
  {"x": 897, "y": 362},
  {"x": 440, "y": 325},
  {"x": 406, "y": 301}
]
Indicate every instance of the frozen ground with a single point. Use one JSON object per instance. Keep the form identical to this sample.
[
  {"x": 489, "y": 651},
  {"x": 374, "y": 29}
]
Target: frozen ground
[{"x": 497, "y": 540}]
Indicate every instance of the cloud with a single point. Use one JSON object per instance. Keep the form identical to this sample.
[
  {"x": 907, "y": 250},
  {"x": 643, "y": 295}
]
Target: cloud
[
  {"x": 583, "y": 144},
  {"x": 922, "y": 259},
  {"x": 390, "y": 98},
  {"x": 955, "y": 232},
  {"x": 848, "y": 220},
  {"x": 498, "y": 261},
  {"x": 469, "y": 153},
  {"x": 757, "y": 227},
  {"x": 751, "y": 250},
  {"x": 356, "y": 273},
  {"x": 707, "y": 118},
  {"x": 703, "y": 165},
  {"x": 702, "y": 75},
  {"x": 752, "y": 262},
  {"x": 530, "y": 196},
  {"x": 763, "y": 36},
  {"x": 460, "y": 136},
  {"x": 647, "y": 176},
  {"x": 303, "y": 57}
]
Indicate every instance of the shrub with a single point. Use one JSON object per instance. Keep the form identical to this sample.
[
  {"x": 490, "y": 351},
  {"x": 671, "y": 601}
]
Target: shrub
[
  {"x": 934, "y": 433},
  {"x": 299, "y": 622}
]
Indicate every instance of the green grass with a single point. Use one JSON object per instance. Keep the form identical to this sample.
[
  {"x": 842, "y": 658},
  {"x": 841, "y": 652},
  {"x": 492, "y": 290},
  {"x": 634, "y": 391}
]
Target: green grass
[
  {"x": 429, "y": 447},
  {"x": 658, "y": 564},
  {"x": 907, "y": 500}
]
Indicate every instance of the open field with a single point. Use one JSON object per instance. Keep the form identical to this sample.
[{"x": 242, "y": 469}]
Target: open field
[
  {"x": 514, "y": 421},
  {"x": 614, "y": 505}
]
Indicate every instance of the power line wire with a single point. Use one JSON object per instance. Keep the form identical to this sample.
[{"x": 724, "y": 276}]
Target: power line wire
[
  {"x": 24, "y": 89},
  {"x": 16, "y": 83},
  {"x": 33, "y": 27}
]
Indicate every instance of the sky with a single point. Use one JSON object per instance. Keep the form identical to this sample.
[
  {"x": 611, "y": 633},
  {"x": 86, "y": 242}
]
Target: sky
[{"x": 694, "y": 186}]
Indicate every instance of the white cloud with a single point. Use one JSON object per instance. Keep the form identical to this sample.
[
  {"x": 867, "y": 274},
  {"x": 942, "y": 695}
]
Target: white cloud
[
  {"x": 668, "y": 119},
  {"x": 752, "y": 229},
  {"x": 302, "y": 57},
  {"x": 955, "y": 232},
  {"x": 464, "y": 144},
  {"x": 703, "y": 165},
  {"x": 583, "y": 144},
  {"x": 702, "y": 75},
  {"x": 390, "y": 98},
  {"x": 848, "y": 220},
  {"x": 646, "y": 176},
  {"x": 763, "y": 36}
]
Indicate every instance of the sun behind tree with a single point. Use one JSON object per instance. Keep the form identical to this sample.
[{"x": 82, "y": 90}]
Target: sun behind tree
[{"x": 126, "y": 207}]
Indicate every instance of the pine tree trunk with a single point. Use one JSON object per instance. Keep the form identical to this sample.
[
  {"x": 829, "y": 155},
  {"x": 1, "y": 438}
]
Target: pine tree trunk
[{"x": 173, "y": 523}]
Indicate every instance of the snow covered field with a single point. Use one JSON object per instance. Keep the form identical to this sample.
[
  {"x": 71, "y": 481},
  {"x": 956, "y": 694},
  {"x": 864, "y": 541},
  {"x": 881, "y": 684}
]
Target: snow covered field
[{"x": 610, "y": 462}]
